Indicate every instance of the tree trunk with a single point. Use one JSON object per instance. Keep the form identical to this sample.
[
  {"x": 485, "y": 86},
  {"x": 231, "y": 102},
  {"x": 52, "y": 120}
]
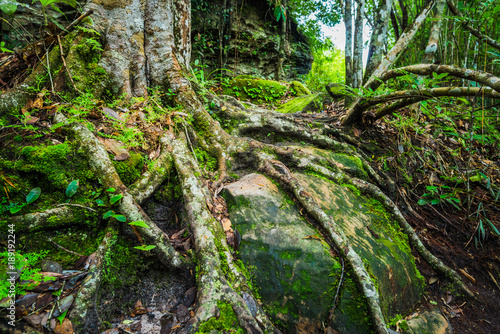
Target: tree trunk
[
  {"x": 358, "y": 45},
  {"x": 349, "y": 73},
  {"x": 379, "y": 36}
]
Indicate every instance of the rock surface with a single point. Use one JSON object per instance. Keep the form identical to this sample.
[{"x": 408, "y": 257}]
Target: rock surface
[
  {"x": 430, "y": 322},
  {"x": 294, "y": 269}
]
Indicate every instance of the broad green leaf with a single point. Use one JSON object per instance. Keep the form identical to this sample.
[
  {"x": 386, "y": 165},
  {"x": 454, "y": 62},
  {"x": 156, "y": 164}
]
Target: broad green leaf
[
  {"x": 111, "y": 190},
  {"x": 126, "y": 322},
  {"x": 139, "y": 223},
  {"x": 145, "y": 248},
  {"x": 108, "y": 214},
  {"x": 115, "y": 199},
  {"x": 33, "y": 195},
  {"x": 72, "y": 188},
  {"x": 120, "y": 218},
  {"x": 100, "y": 202},
  {"x": 15, "y": 209},
  {"x": 9, "y": 7},
  {"x": 61, "y": 317}
]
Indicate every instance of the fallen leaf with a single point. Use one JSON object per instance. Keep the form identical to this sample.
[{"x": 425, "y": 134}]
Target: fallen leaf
[
  {"x": 121, "y": 157},
  {"x": 432, "y": 280},
  {"x": 65, "y": 328},
  {"x": 138, "y": 309},
  {"x": 113, "y": 146},
  {"x": 111, "y": 113},
  {"x": 226, "y": 224},
  {"x": 357, "y": 132}
]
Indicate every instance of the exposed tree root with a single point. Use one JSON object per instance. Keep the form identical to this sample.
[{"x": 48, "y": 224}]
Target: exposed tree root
[
  {"x": 219, "y": 278},
  {"x": 151, "y": 180},
  {"x": 101, "y": 164},
  {"x": 86, "y": 298},
  {"x": 66, "y": 215},
  {"x": 431, "y": 259},
  {"x": 268, "y": 167}
]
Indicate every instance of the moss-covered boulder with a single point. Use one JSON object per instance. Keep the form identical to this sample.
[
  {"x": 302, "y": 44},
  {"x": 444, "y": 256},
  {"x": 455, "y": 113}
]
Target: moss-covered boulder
[
  {"x": 337, "y": 91},
  {"x": 248, "y": 88},
  {"x": 430, "y": 322},
  {"x": 379, "y": 241},
  {"x": 295, "y": 272},
  {"x": 305, "y": 103},
  {"x": 299, "y": 89}
]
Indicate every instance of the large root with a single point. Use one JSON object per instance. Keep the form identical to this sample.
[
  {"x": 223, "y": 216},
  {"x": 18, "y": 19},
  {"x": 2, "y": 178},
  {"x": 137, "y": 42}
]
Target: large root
[
  {"x": 101, "y": 164},
  {"x": 219, "y": 278}
]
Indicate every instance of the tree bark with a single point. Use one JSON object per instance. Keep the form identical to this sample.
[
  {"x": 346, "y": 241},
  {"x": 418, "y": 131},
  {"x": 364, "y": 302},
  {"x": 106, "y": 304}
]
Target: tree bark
[
  {"x": 348, "y": 43},
  {"x": 379, "y": 36},
  {"x": 358, "y": 45}
]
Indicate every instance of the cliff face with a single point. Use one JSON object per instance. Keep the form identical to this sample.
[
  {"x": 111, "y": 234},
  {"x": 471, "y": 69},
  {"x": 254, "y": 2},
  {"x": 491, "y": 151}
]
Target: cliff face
[{"x": 250, "y": 39}]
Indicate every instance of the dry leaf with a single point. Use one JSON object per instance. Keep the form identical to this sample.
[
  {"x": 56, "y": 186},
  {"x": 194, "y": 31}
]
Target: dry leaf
[
  {"x": 357, "y": 132},
  {"x": 122, "y": 157},
  {"x": 432, "y": 280},
  {"x": 65, "y": 328},
  {"x": 226, "y": 224},
  {"x": 113, "y": 146}
]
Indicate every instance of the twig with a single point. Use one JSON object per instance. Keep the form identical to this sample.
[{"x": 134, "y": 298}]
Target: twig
[
  {"x": 66, "y": 66},
  {"x": 78, "y": 205},
  {"x": 338, "y": 290},
  {"x": 77, "y": 21},
  {"x": 64, "y": 249}
]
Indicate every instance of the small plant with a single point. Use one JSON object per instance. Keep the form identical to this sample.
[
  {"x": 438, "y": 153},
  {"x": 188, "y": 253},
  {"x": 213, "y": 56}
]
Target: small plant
[
  {"x": 436, "y": 195},
  {"x": 27, "y": 266}
]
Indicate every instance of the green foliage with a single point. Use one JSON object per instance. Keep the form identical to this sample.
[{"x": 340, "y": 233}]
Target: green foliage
[
  {"x": 29, "y": 267},
  {"x": 439, "y": 194},
  {"x": 328, "y": 67}
]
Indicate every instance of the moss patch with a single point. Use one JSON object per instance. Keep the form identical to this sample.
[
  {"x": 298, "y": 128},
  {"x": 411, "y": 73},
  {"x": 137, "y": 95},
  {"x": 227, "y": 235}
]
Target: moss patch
[
  {"x": 299, "y": 89},
  {"x": 256, "y": 90},
  {"x": 130, "y": 169},
  {"x": 226, "y": 323},
  {"x": 311, "y": 103}
]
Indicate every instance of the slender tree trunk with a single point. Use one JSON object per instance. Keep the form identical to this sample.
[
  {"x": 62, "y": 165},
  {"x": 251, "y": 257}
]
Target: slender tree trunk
[
  {"x": 358, "y": 45},
  {"x": 280, "y": 72},
  {"x": 395, "y": 24},
  {"x": 379, "y": 37},
  {"x": 349, "y": 74},
  {"x": 432, "y": 45}
]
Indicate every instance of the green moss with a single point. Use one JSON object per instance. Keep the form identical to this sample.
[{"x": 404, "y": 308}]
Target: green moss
[
  {"x": 50, "y": 167},
  {"x": 120, "y": 263},
  {"x": 85, "y": 50},
  {"x": 226, "y": 323},
  {"x": 299, "y": 88},
  {"x": 313, "y": 102},
  {"x": 129, "y": 170},
  {"x": 257, "y": 90}
]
